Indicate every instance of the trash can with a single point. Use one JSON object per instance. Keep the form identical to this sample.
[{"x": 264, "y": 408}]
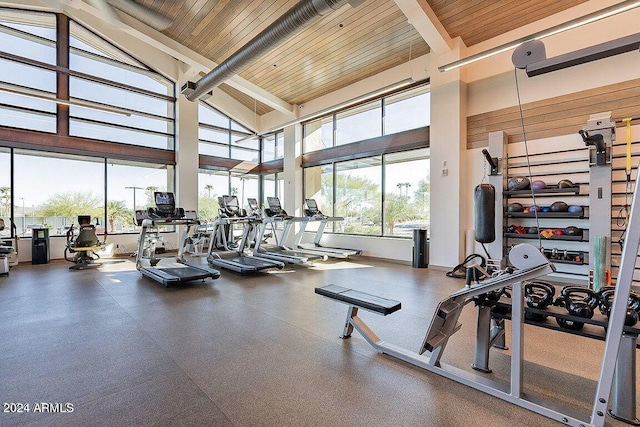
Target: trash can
[
  {"x": 420, "y": 248},
  {"x": 40, "y": 246}
]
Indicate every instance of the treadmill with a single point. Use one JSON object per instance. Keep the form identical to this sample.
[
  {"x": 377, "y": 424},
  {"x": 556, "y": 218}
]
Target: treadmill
[
  {"x": 236, "y": 260},
  {"x": 272, "y": 215},
  {"x": 313, "y": 213},
  {"x": 162, "y": 269}
]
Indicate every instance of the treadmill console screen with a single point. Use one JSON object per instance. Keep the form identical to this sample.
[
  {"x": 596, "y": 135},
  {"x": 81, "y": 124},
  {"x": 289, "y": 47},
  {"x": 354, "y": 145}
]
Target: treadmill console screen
[
  {"x": 312, "y": 205},
  {"x": 231, "y": 204},
  {"x": 253, "y": 204},
  {"x": 165, "y": 202},
  {"x": 274, "y": 204}
]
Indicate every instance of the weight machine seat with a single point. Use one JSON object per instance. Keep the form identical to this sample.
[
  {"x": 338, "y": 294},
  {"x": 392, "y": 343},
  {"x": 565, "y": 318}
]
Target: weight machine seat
[{"x": 359, "y": 299}]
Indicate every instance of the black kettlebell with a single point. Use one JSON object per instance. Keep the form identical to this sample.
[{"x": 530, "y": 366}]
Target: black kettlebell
[
  {"x": 538, "y": 295},
  {"x": 492, "y": 297},
  {"x": 579, "y": 302},
  {"x": 606, "y": 295}
]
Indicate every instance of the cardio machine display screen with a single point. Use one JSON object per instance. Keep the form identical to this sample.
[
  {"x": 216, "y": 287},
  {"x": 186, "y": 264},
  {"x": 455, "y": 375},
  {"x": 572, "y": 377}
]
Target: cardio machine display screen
[
  {"x": 274, "y": 204},
  {"x": 312, "y": 205},
  {"x": 253, "y": 203},
  {"x": 164, "y": 199}
]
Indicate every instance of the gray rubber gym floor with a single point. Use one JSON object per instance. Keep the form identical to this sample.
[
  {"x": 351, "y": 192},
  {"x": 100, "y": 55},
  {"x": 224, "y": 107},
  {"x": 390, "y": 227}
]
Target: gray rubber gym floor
[{"x": 254, "y": 351}]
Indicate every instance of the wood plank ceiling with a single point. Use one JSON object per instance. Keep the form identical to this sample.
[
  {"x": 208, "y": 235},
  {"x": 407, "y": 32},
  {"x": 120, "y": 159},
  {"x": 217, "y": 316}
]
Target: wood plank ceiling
[
  {"x": 475, "y": 21},
  {"x": 340, "y": 48}
]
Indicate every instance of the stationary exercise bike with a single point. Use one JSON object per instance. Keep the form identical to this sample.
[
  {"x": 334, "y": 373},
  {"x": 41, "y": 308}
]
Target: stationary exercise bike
[{"x": 82, "y": 248}]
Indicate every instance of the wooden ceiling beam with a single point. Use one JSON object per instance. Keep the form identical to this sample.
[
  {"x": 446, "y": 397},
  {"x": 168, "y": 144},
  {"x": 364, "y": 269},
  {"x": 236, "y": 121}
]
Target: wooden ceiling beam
[{"x": 424, "y": 20}]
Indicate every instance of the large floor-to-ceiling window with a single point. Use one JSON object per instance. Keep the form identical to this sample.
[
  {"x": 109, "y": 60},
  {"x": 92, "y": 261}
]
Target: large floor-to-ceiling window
[
  {"x": 130, "y": 187},
  {"x": 91, "y": 129},
  {"x": 378, "y": 185}
]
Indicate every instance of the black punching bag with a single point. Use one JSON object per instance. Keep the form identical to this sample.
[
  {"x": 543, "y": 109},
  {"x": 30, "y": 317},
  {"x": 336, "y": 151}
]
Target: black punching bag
[{"x": 485, "y": 210}]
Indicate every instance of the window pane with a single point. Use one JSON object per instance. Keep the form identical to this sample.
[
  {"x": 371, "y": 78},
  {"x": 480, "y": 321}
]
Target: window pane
[
  {"x": 246, "y": 141},
  {"x": 318, "y": 134},
  {"x": 109, "y": 95},
  {"x": 238, "y": 127},
  {"x": 269, "y": 148},
  {"x": 43, "y": 201},
  {"x": 5, "y": 191},
  {"x": 358, "y": 195},
  {"x": 210, "y": 149},
  {"x": 115, "y": 134},
  {"x": 318, "y": 185},
  {"x": 112, "y": 71},
  {"x": 13, "y": 117},
  {"x": 279, "y": 145},
  {"x": 208, "y": 115},
  {"x": 83, "y": 39},
  {"x": 406, "y": 111},
  {"x": 268, "y": 187},
  {"x": 45, "y": 27},
  {"x": 246, "y": 155},
  {"x": 244, "y": 186},
  {"x": 19, "y": 45},
  {"x": 280, "y": 187},
  {"x": 213, "y": 135},
  {"x": 130, "y": 186},
  {"x": 211, "y": 185},
  {"x": 272, "y": 186},
  {"x": 406, "y": 195},
  {"x": 28, "y": 76},
  {"x": 135, "y": 121},
  {"x": 359, "y": 123}
]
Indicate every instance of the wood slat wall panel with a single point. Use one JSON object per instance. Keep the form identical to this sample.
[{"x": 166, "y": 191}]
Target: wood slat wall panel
[{"x": 562, "y": 115}]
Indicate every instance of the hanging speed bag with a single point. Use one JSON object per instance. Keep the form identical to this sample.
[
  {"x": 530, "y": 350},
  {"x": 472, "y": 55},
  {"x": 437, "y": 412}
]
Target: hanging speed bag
[{"x": 485, "y": 213}]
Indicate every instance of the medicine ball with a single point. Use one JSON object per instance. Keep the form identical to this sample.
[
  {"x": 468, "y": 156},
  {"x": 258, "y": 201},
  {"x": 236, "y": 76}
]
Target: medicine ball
[
  {"x": 515, "y": 207},
  {"x": 565, "y": 183},
  {"x": 573, "y": 231},
  {"x": 545, "y": 209},
  {"x": 518, "y": 183},
  {"x": 538, "y": 185},
  {"x": 535, "y": 208},
  {"x": 532, "y": 230},
  {"x": 559, "y": 207},
  {"x": 575, "y": 209}
]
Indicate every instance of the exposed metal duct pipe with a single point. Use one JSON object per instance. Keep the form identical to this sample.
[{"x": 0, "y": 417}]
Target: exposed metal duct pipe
[
  {"x": 142, "y": 14},
  {"x": 295, "y": 19}
]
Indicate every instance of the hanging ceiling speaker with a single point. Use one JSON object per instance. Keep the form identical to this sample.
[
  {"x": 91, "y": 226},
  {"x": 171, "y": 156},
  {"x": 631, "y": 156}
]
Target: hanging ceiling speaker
[{"x": 133, "y": 9}]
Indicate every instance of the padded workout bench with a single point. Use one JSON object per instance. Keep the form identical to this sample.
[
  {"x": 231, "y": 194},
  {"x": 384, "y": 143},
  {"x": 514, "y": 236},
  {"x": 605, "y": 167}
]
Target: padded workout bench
[{"x": 356, "y": 300}]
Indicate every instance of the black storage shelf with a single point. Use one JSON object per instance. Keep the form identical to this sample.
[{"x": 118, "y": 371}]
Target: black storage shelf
[
  {"x": 544, "y": 193},
  {"x": 547, "y": 215},
  {"x": 593, "y": 328},
  {"x": 535, "y": 236}
]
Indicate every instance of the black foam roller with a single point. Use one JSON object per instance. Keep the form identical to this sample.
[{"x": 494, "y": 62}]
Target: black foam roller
[{"x": 485, "y": 213}]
